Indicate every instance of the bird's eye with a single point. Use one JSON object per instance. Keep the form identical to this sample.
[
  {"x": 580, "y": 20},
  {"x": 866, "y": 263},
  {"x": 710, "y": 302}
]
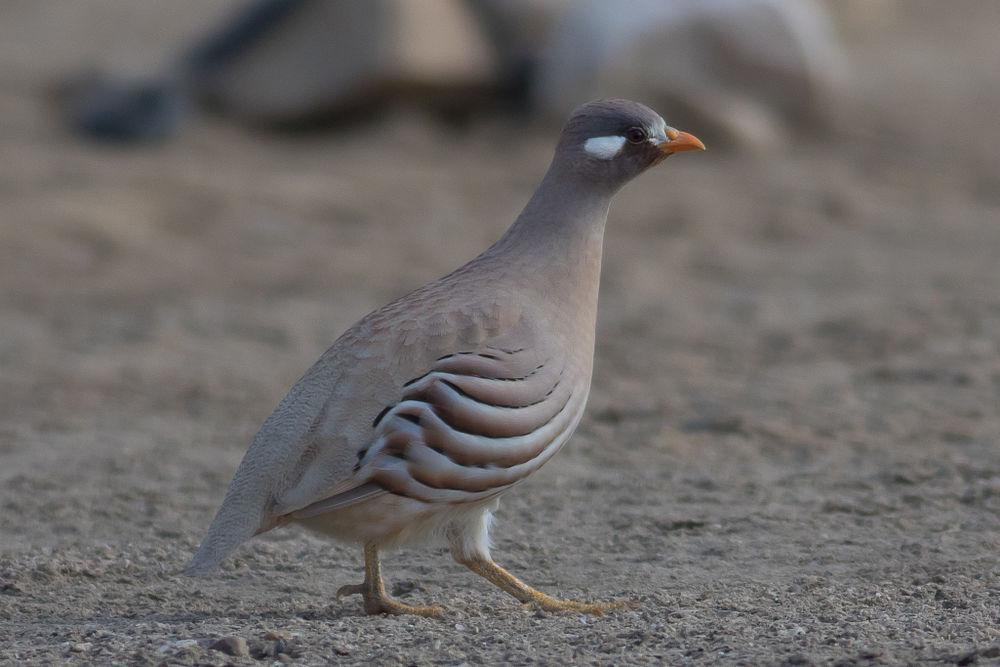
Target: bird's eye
[{"x": 636, "y": 135}]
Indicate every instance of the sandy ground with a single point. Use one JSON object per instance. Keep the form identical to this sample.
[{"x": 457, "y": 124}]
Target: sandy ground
[{"x": 791, "y": 452}]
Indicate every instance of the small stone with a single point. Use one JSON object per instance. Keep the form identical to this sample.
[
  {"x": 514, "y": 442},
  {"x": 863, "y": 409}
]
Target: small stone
[
  {"x": 260, "y": 649},
  {"x": 178, "y": 645},
  {"x": 968, "y": 658},
  {"x": 403, "y": 588},
  {"x": 235, "y": 646},
  {"x": 10, "y": 588},
  {"x": 81, "y": 647}
]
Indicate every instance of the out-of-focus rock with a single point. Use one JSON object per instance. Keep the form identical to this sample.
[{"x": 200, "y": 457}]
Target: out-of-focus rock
[
  {"x": 519, "y": 30},
  {"x": 331, "y": 57},
  {"x": 741, "y": 71},
  {"x": 856, "y": 15},
  {"x": 116, "y": 111}
]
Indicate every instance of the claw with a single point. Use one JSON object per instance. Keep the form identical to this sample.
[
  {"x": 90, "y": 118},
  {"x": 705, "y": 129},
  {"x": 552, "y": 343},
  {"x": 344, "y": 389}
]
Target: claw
[{"x": 350, "y": 589}]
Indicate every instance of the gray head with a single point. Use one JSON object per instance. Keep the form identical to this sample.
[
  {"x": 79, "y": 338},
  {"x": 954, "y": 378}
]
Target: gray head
[{"x": 609, "y": 142}]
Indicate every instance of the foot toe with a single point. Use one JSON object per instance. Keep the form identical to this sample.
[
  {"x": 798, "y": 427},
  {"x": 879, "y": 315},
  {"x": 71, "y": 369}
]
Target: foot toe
[
  {"x": 593, "y": 608},
  {"x": 350, "y": 589},
  {"x": 391, "y": 606}
]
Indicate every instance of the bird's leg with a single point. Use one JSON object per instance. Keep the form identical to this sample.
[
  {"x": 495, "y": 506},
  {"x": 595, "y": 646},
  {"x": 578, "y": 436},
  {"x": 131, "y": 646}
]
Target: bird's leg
[
  {"x": 504, "y": 580},
  {"x": 377, "y": 600}
]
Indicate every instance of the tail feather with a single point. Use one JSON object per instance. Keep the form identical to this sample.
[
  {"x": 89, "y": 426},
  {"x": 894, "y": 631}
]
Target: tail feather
[
  {"x": 248, "y": 507},
  {"x": 242, "y": 515}
]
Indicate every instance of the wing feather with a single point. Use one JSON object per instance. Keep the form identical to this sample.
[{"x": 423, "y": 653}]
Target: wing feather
[
  {"x": 476, "y": 423},
  {"x": 339, "y": 501}
]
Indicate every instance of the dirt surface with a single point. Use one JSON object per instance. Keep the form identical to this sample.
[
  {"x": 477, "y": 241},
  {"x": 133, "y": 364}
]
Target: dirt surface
[{"x": 791, "y": 452}]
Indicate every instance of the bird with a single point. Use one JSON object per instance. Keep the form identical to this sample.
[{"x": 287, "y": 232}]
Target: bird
[{"x": 423, "y": 413}]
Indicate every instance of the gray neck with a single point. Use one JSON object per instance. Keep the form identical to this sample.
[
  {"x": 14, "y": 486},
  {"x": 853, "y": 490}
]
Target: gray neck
[{"x": 559, "y": 235}]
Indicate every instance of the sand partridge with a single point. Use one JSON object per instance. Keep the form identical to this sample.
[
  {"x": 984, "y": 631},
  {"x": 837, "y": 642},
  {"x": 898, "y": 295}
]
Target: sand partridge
[{"x": 423, "y": 413}]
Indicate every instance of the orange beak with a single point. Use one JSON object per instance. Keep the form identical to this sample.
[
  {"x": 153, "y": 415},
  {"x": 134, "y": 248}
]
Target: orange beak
[{"x": 678, "y": 142}]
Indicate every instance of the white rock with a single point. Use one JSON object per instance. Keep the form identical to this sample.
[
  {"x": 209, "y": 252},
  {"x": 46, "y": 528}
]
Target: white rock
[{"x": 748, "y": 68}]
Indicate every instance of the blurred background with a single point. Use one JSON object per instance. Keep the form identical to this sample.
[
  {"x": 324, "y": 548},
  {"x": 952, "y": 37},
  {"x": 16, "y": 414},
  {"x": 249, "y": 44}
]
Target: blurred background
[{"x": 794, "y": 413}]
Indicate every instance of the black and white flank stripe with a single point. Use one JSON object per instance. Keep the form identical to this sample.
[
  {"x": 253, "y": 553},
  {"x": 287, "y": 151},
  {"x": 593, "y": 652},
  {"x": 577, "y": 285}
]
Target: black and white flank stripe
[{"x": 471, "y": 427}]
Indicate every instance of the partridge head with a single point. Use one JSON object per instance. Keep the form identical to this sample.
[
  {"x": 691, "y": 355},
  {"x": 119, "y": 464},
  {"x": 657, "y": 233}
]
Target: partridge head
[{"x": 613, "y": 141}]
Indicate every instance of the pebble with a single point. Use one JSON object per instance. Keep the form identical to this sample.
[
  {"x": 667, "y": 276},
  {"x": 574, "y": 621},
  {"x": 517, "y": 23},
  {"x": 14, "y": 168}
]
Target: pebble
[
  {"x": 235, "y": 646},
  {"x": 179, "y": 644}
]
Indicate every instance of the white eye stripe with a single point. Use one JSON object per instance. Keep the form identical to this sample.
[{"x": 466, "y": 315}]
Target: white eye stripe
[{"x": 604, "y": 148}]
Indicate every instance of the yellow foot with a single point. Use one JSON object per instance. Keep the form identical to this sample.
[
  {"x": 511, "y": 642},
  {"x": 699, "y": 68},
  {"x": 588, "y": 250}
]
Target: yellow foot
[
  {"x": 379, "y": 602},
  {"x": 549, "y": 603},
  {"x": 501, "y": 578}
]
